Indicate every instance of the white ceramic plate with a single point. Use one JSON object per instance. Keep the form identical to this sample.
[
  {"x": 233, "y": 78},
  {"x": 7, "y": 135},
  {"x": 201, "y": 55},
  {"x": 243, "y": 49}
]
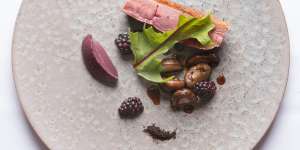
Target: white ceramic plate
[{"x": 70, "y": 110}]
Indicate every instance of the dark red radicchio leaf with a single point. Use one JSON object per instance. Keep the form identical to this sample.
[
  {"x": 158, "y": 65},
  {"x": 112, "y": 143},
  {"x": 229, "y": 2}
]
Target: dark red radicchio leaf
[{"x": 98, "y": 62}]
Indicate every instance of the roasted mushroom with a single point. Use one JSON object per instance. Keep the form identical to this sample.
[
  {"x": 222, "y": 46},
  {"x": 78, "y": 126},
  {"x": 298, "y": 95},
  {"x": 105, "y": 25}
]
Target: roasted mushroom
[
  {"x": 171, "y": 65},
  {"x": 211, "y": 59},
  {"x": 173, "y": 85},
  {"x": 197, "y": 73},
  {"x": 184, "y": 100}
]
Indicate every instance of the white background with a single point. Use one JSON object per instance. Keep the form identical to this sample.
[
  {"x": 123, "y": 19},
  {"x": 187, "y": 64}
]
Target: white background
[{"x": 16, "y": 133}]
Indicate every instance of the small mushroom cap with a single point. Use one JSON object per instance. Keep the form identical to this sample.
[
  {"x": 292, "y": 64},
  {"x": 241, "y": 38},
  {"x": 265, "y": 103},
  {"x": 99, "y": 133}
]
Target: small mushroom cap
[
  {"x": 182, "y": 98},
  {"x": 197, "y": 73}
]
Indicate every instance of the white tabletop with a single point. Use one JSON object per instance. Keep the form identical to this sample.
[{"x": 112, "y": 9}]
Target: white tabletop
[{"x": 16, "y": 133}]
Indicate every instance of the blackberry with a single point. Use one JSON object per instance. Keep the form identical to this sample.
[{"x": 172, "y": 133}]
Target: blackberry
[
  {"x": 131, "y": 107},
  {"x": 123, "y": 43},
  {"x": 205, "y": 90}
]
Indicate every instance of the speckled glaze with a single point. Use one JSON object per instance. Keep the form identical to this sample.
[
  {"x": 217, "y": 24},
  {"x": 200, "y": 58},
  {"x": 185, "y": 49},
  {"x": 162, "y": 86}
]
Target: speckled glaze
[{"x": 71, "y": 111}]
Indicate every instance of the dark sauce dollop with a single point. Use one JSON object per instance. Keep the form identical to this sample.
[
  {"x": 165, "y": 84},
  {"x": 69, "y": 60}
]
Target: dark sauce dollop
[
  {"x": 153, "y": 93},
  {"x": 221, "y": 79}
]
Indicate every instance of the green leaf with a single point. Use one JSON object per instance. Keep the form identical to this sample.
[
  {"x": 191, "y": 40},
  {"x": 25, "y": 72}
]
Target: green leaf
[{"x": 149, "y": 46}]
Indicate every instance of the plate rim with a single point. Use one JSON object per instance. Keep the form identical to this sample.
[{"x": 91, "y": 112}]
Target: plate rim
[{"x": 47, "y": 145}]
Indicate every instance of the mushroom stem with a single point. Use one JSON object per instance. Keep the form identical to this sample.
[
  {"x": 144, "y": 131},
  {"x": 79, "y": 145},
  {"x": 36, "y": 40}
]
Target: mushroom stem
[{"x": 171, "y": 65}]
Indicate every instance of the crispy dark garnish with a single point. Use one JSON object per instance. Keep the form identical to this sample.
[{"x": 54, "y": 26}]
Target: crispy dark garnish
[{"x": 160, "y": 134}]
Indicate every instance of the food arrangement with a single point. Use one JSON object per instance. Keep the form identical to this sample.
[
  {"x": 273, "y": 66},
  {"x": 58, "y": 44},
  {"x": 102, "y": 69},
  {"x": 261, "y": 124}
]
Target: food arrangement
[
  {"x": 169, "y": 40},
  {"x": 166, "y": 25},
  {"x": 254, "y": 62},
  {"x": 174, "y": 49}
]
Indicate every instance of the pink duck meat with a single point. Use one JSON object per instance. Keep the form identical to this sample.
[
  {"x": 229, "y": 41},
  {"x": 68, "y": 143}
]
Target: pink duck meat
[{"x": 164, "y": 15}]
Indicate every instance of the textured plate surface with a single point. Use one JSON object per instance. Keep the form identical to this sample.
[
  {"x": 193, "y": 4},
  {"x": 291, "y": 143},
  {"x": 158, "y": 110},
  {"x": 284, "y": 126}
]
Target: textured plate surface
[{"x": 70, "y": 110}]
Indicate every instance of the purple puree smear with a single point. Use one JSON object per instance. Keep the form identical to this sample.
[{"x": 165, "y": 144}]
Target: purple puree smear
[{"x": 97, "y": 61}]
